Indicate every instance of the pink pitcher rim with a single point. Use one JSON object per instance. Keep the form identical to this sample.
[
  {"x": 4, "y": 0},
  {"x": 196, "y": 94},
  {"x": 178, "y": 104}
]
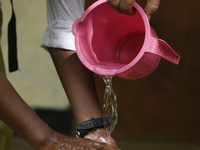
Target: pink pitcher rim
[{"x": 140, "y": 54}]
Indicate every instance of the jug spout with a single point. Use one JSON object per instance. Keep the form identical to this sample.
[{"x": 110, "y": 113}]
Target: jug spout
[{"x": 162, "y": 49}]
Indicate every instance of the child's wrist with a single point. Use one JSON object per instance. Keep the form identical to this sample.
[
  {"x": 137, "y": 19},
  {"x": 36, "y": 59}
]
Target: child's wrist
[
  {"x": 44, "y": 139},
  {"x": 86, "y": 127}
]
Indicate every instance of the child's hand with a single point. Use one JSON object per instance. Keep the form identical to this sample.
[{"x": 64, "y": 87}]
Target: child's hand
[
  {"x": 100, "y": 136},
  {"x": 61, "y": 142}
]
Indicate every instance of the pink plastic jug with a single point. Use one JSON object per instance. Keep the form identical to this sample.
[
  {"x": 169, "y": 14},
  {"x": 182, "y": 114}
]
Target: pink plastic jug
[{"x": 110, "y": 43}]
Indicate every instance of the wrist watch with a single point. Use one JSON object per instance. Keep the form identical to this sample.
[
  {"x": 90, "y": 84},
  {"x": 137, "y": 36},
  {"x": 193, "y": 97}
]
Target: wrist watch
[{"x": 95, "y": 123}]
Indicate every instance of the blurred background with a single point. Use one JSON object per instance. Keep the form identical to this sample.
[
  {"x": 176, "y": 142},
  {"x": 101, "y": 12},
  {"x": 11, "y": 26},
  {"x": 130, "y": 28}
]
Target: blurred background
[{"x": 161, "y": 111}]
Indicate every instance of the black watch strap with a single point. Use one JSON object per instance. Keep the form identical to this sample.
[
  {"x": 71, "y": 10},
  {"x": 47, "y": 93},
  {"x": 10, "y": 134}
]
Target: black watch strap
[{"x": 85, "y": 127}]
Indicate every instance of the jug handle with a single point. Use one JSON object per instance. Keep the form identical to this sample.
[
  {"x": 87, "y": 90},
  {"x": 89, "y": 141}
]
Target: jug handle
[{"x": 161, "y": 48}]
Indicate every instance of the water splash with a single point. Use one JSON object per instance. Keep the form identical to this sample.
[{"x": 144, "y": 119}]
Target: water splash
[
  {"x": 61, "y": 145},
  {"x": 110, "y": 106}
]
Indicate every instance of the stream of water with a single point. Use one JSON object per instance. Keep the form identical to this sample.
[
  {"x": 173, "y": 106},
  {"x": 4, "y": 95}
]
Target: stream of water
[{"x": 110, "y": 106}]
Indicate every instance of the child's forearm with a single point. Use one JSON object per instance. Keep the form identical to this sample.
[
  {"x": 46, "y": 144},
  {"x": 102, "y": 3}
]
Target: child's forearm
[
  {"x": 78, "y": 83},
  {"x": 19, "y": 116}
]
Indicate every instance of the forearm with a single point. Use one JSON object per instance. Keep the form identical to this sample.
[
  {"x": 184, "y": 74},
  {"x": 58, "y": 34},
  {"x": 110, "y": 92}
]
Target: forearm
[
  {"x": 78, "y": 83},
  {"x": 19, "y": 116}
]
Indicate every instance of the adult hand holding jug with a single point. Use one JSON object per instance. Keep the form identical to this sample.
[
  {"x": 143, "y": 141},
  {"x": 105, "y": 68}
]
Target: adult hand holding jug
[{"x": 126, "y": 6}]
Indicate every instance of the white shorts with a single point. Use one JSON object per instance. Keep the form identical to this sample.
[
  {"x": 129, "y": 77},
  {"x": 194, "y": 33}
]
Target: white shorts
[{"x": 61, "y": 15}]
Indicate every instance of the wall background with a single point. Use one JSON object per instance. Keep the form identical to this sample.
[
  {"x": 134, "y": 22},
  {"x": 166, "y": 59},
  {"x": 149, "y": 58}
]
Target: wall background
[{"x": 37, "y": 81}]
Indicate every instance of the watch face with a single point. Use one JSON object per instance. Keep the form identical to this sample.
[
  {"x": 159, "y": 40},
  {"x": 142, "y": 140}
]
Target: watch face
[
  {"x": 82, "y": 133},
  {"x": 78, "y": 134}
]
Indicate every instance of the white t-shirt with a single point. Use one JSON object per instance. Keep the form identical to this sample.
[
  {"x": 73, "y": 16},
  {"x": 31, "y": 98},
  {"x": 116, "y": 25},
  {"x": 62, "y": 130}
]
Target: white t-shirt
[{"x": 61, "y": 15}]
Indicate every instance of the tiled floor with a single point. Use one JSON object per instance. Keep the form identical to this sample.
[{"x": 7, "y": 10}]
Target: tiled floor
[{"x": 20, "y": 144}]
